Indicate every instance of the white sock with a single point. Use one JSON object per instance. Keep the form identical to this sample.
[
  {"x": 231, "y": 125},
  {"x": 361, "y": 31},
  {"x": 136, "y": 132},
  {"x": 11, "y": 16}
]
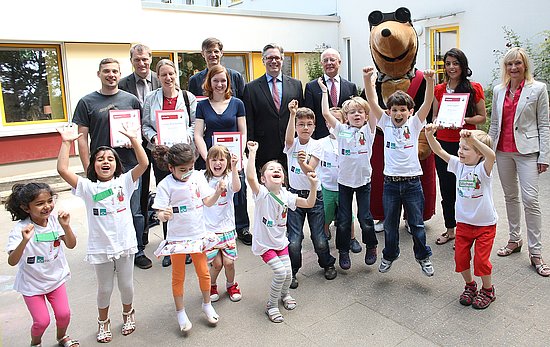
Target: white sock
[
  {"x": 229, "y": 284},
  {"x": 211, "y": 314},
  {"x": 182, "y": 318}
]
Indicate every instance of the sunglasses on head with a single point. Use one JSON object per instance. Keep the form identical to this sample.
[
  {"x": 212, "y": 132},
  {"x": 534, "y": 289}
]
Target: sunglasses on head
[{"x": 402, "y": 15}]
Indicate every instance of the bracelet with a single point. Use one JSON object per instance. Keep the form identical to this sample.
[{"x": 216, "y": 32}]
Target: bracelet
[{"x": 324, "y": 92}]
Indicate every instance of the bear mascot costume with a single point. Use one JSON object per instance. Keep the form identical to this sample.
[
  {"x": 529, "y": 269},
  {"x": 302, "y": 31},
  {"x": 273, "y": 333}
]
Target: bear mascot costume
[{"x": 394, "y": 44}]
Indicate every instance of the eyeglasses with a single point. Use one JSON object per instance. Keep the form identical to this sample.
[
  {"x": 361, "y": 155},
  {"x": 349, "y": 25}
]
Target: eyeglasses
[
  {"x": 274, "y": 58},
  {"x": 402, "y": 15}
]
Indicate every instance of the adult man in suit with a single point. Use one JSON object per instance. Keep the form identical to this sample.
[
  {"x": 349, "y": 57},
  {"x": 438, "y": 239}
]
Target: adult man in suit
[
  {"x": 266, "y": 101},
  {"x": 139, "y": 83},
  {"x": 212, "y": 52},
  {"x": 339, "y": 88}
]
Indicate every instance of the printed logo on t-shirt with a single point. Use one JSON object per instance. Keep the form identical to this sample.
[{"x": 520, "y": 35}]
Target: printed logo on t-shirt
[
  {"x": 346, "y": 151},
  {"x": 470, "y": 187},
  {"x": 31, "y": 260},
  {"x": 326, "y": 164},
  {"x": 361, "y": 138},
  {"x": 268, "y": 223},
  {"x": 40, "y": 259},
  {"x": 99, "y": 211},
  {"x": 179, "y": 209},
  {"x": 296, "y": 170}
]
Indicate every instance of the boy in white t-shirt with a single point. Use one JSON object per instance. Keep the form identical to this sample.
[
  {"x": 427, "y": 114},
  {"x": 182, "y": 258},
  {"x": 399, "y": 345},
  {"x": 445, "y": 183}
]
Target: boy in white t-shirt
[
  {"x": 303, "y": 154},
  {"x": 402, "y": 171},
  {"x": 476, "y": 216},
  {"x": 355, "y": 139}
]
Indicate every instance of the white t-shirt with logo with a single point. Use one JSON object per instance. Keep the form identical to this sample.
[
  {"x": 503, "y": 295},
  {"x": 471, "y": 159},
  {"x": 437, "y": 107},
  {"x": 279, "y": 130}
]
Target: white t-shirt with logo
[
  {"x": 110, "y": 224},
  {"x": 43, "y": 267},
  {"x": 220, "y": 217},
  {"x": 328, "y": 163},
  {"x": 354, "y": 152},
  {"x": 401, "y": 146},
  {"x": 297, "y": 179},
  {"x": 185, "y": 200},
  {"x": 474, "y": 194},
  {"x": 270, "y": 215}
]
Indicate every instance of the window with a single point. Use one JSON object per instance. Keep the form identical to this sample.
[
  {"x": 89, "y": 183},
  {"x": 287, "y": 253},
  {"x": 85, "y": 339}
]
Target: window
[
  {"x": 288, "y": 64},
  {"x": 236, "y": 62},
  {"x": 442, "y": 39},
  {"x": 31, "y": 84}
]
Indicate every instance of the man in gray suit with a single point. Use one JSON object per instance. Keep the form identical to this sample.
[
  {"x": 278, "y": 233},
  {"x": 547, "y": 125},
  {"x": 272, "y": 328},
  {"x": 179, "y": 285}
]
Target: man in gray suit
[
  {"x": 139, "y": 83},
  {"x": 339, "y": 88}
]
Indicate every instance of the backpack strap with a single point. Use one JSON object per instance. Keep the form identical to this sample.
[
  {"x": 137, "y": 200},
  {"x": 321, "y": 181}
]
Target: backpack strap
[{"x": 187, "y": 105}]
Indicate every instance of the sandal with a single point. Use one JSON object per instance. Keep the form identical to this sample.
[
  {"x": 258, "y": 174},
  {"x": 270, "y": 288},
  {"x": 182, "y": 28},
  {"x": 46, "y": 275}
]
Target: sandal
[
  {"x": 289, "y": 303},
  {"x": 104, "y": 334},
  {"x": 274, "y": 314},
  {"x": 66, "y": 341},
  {"x": 484, "y": 298},
  {"x": 541, "y": 268},
  {"x": 507, "y": 250},
  {"x": 129, "y": 325},
  {"x": 444, "y": 238},
  {"x": 38, "y": 345}
]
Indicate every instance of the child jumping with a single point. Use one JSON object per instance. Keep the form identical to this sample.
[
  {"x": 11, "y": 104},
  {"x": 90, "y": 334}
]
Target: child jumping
[
  {"x": 402, "y": 169},
  {"x": 355, "y": 139},
  {"x": 220, "y": 218},
  {"x": 179, "y": 201},
  {"x": 303, "y": 154},
  {"x": 475, "y": 211},
  {"x": 34, "y": 246},
  {"x": 112, "y": 243},
  {"x": 270, "y": 217}
]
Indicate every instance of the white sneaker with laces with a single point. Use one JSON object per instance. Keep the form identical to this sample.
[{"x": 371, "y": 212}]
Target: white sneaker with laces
[{"x": 427, "y": 266}]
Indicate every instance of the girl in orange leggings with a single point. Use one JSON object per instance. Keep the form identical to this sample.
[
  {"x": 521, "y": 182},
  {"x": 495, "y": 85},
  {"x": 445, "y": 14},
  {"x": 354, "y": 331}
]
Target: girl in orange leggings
[{"x": 179, "y": 201}]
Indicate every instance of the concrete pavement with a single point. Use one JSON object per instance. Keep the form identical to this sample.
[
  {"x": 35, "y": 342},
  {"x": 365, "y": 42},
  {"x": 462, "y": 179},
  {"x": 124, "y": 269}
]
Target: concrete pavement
[{"x": 360, "y": 307}]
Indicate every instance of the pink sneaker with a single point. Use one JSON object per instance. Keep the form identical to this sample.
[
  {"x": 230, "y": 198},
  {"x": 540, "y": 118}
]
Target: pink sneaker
[
  {"x": 234, "y": 292},
  {"x": 214, "y": 296}
]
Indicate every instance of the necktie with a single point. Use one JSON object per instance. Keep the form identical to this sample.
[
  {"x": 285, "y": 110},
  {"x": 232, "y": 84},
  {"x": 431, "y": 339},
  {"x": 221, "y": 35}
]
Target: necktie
[
  {"x": 275, "y": 93},
  {"x": 333, "y": 95},
  {"x": 143, "y": 89}
]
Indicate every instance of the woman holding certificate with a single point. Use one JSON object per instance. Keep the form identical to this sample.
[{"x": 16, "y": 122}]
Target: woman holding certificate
[
  {"x": 456, "y": 81},
  {"x": 521, "y": 138},
  {"x": 220, "y": 112}
]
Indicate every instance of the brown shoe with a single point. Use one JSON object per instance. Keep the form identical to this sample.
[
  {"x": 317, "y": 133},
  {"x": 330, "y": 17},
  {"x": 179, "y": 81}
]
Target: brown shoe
[{"x": 468, "y": 295}]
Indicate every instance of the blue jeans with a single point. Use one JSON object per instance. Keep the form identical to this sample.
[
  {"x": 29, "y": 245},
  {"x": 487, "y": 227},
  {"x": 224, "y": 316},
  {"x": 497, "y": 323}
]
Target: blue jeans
[
  {"x": 295, "y": 224},
  {"x": 137, "y": 216},
  {"x": 409, "y": 194},
  {"x": 343, "y": 228}
]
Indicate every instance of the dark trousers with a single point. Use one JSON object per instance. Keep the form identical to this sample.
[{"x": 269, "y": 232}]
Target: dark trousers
[{"x": 447, "y": 184}]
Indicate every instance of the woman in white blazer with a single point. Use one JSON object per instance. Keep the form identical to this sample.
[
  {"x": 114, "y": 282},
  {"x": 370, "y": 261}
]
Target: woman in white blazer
[{"x": 521, "y": 139}]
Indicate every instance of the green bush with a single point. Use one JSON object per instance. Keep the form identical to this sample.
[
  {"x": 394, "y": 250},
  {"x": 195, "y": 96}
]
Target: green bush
[{"x": 313, "y": 66}]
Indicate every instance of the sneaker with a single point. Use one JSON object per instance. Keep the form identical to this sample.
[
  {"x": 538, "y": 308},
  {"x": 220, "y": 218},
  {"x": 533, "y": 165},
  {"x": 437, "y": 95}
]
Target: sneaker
[
  {"x": 354, "y": 246},
  {"x": 484, "y": 298},
  {"x": 344, "y": 261},
  {"x": 468, "y": 295},
  {"x": 427, "y": 267},
  {"x": 188, "y": 259},
  {"x": 166, "y": 261},
  {"x": 143, "y": 262},
  {"x": 294, "y": 282},
  {"x": 245, "y": 236},
  {"x": 214, "y": 295},
  {"x": 234, "y": 293},
  {"x": 385, "y": 265},
  {"x": 370, "y": 255},
  {"x": 330, "y": 273},
  {"x": 379, "y": 226}
]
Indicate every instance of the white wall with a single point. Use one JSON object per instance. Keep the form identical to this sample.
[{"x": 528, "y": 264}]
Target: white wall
[{"x": 480, "y": 27}]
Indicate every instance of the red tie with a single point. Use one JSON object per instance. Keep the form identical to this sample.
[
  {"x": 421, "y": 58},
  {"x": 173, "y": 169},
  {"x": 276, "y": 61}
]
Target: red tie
[
  {"x": 333, "y": 96},
  {"x": 275, "y": 93}
]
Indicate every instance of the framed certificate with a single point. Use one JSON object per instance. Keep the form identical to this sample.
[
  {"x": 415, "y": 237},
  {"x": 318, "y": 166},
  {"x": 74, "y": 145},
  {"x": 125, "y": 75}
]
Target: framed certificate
[
  {"x": 171, "y": 127},
  {"x": 234, "y": 143},
  {"x": 118, "y": 119},
  {"x": 452, "y": 110}
]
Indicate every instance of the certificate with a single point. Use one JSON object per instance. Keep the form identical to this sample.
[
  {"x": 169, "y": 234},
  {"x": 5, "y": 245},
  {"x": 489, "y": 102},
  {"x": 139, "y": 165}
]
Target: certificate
[
  {"x": 234, "y": 143},
  {"x": 171, "y": 127},
  {"x": 452, "y": 110},
  {"x": 120, "y": 119}
]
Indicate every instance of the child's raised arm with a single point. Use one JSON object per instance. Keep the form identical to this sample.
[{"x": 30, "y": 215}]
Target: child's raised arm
[
  {"x": 135, "y": 139},
  {"x": 424, "y": 110},
  {"x": 486, "y": 151},
  {"x": 15, "y": 255},
  {"x": 370, "y": 92},
  {"x": 434, "y": 145},
  {"x": 311, "y": 198},
  {"x": 69, "y": 238},
  {"x": 68, "y": 136},
  {"x": 251, "y": 176},
  {"x": 291, "y": 126},
  {"x": 235, "y": 180},
  {"x": 325, "y": 109}
]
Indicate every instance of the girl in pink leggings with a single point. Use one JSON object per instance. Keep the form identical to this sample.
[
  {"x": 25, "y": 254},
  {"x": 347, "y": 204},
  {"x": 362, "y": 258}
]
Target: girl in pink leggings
[{"x": 34, "y": 245}]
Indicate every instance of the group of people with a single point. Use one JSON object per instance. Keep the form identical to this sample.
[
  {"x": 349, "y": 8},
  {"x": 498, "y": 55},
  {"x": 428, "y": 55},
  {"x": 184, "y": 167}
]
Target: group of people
[{"x": 303, "y": 162}]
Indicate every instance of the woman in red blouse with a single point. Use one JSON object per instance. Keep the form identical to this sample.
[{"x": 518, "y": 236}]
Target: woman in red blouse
[{"x": 456, "y": 81}]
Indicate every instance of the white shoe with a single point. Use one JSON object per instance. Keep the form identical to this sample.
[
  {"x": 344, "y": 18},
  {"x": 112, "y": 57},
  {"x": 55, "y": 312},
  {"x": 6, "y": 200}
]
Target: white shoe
[{"x": 379, "y": 226}]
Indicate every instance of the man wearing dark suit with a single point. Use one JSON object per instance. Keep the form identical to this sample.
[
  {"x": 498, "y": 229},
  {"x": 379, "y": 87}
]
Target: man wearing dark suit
[
  {"x": 212, "y": 52},
  {"x": 139, "y": 83},
  {"x": 343, "y": 90},
  {"x": 266, "y": 102}
]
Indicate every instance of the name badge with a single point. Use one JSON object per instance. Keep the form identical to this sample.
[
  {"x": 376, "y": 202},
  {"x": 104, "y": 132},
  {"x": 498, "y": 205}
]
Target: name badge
[
  {"x": 46, "y": 237},
  {"x": 103, "y": 195},
  {"x": 345, "y": 134}
]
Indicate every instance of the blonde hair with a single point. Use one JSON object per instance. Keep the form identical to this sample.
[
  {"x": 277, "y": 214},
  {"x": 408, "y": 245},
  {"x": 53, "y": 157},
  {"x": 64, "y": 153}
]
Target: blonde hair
[
  {"x": 338, "y": 114},
  {"x": 355, "y": 101},
  {"x": 516, "y": 53},
  {"x": 482, "y": 137}
]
